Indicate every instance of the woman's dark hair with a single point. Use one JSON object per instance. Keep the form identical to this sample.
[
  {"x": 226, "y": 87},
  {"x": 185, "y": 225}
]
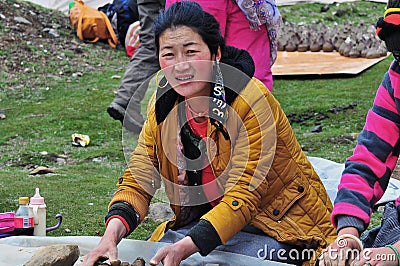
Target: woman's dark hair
[{"x": 190, "y": 14}]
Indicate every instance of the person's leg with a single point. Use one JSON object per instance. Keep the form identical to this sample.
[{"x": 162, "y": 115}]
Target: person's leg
[
  {"x": 239, "y": 34},
  {"x": 144, "y": 64},
  {"x": 264, "y": 247},
  {"x": 260, "y": 246}
]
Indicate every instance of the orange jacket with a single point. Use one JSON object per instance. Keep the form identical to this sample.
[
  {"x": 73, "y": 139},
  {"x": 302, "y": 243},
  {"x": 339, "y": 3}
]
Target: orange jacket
[{"x": 267, "y": 179}]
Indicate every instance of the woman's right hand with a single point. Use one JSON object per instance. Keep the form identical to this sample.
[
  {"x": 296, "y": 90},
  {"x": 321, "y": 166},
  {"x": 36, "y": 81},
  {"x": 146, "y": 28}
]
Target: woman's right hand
[
  {"x": 107, "y": 247},
  {"x": 343, "y": 251},
  {"x": 340, "y": 253},
  {"x": 105, "y": 250}
]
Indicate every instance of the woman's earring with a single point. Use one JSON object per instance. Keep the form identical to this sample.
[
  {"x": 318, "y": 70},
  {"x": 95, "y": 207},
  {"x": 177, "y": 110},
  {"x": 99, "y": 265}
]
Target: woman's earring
[
  {"x": 218, "y": 104},
  {"x": 158, "y": 81},
  {"x": 219, "y": 89}
]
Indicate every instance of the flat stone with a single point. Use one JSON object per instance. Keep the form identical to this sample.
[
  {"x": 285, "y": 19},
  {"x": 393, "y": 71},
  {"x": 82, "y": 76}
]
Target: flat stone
[
  {"x": 316, "y": 129},
  {"x": 22, "y": 20},
  {"x": 55, "y": 255},
  {"x": 41, "y": 170}
]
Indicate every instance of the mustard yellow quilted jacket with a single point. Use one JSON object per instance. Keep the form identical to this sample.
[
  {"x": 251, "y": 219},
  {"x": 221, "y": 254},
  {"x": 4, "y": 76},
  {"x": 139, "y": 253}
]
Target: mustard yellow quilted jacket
[{"x": 267, "y": 179}]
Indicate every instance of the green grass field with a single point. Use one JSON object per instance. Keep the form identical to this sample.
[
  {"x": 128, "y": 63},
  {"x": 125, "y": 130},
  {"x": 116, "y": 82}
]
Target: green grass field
[{"x": 43, "y": 109}]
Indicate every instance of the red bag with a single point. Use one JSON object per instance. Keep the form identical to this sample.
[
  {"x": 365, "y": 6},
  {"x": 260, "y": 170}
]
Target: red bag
[
  {"x": 6, "y": 222},
  {"x": 132, "y": 38}
]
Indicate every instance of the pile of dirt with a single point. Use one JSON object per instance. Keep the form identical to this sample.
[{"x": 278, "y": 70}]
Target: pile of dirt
[
  {"x": 347, "y": 39},
  {"x": 138, "y": 262},
  {"x": 41, "y": 42}
]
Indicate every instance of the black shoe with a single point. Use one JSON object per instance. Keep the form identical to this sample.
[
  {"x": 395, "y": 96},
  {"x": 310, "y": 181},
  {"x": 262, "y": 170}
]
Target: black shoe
[
  {"x": 116, "y": 111},
  {"x": 132, "y": 122}
]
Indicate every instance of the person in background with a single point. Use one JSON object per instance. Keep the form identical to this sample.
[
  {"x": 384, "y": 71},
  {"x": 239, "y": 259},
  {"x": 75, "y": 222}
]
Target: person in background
[
  {"x": 235, "y": 175},
  {"x": 367, "y": 172},
  {"x": 143, "y": 64},
  {"x": 249, "y": 25},
  {"x": 253, "y": 28}
]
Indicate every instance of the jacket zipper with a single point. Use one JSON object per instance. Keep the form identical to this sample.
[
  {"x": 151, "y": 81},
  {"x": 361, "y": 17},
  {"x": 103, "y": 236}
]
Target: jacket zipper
[{"x": 293, "y": 224}]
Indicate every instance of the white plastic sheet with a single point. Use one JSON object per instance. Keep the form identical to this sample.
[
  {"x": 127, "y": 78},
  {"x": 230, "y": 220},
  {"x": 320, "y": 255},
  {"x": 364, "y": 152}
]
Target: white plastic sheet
[
  {"x": 330, "y": 173},
  {"x": 62, "y": 5},
  {"x": 17, "y": 250}
]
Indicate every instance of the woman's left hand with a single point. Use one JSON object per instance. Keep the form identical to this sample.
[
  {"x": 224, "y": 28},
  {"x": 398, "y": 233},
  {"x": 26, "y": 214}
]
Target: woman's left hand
[
  {"x": 376, "y": 257},
  {"x": 172, "y": 255}
]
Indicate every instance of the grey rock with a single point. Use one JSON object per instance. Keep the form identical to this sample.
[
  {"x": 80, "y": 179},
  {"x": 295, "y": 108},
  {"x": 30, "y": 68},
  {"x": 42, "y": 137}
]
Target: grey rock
[
  {"x": 316, "y": 129},
  {"x": 160, "y": 211},
  {"x": 55, "y": 255},
  {"x": 61, "y": 161},
  {"x": 22, "y": 20},
  {"x": 324, "y": 8},
  {"x": 54, "y": 33}
]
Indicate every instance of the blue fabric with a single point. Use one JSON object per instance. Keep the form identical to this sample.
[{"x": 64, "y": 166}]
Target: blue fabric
[
  {"x": 127, "y": 13},
  {"x": 249, "y": 244},
  {"x": 388, "y": 232}
]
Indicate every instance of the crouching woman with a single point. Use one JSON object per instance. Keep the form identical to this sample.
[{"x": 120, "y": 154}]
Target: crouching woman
[{"x": 219, "y": 142}]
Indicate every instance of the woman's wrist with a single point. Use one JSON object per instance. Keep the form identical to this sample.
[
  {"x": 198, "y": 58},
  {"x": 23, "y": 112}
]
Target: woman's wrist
[
  {"x": 115, "y": 231},
  {"x": 187, "y": 246},
  {"x": 349, "y": 230},
  {"x": 396, "y": 251}
]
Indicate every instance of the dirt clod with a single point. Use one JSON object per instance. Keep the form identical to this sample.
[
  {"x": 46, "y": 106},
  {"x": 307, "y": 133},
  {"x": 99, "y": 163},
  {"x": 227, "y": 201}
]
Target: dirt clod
[{"x": 139, "y": 261}]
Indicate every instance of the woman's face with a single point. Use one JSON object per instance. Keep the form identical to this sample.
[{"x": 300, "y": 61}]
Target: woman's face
[{"x": 186, "y": 61}]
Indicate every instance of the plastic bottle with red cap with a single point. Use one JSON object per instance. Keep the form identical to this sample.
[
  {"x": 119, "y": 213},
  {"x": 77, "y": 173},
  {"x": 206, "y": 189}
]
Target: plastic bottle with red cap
[{"x": 37, "y": 209}]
